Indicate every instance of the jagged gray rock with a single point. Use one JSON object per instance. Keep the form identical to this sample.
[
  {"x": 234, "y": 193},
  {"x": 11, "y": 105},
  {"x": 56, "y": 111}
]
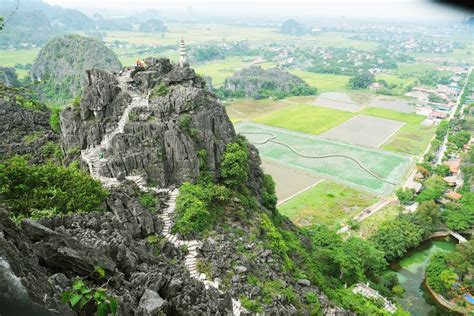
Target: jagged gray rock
[
  {"x": 161, "y": 141},
  {"x": 24, "y": 131}
]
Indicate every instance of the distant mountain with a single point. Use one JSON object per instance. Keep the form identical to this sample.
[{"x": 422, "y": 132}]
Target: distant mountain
[
  {"x": 256, "y": 82},
  {"x": 61, "y": 64},
  {"x": 153, "y": 25},
  {"x": 70, "y": 19},
  {"x": 291, "y": 27},
  {"x": 114, "y": 25},
  {"x": 31, "y": 27}
]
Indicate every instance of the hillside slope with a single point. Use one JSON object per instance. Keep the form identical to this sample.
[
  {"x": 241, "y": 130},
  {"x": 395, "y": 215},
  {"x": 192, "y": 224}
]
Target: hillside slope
[{"x": 61, "y": 64}]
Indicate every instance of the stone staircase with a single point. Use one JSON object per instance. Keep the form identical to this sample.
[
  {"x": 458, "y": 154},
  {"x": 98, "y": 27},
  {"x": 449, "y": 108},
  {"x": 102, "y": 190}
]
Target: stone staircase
[
  {"x": 92, "y": 156},
  {"x": 192, "y": 246}
]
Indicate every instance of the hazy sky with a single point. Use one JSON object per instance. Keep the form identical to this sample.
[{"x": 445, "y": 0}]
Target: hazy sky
[{"x": 383, "y": 9}]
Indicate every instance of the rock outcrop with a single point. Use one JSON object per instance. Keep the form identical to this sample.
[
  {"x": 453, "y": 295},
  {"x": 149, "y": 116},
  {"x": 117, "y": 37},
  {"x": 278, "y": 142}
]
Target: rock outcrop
[
  {"x": 25, "y": 131},
  {"x": 161, "y": 140},
  {"x": 40, "y": 260}
]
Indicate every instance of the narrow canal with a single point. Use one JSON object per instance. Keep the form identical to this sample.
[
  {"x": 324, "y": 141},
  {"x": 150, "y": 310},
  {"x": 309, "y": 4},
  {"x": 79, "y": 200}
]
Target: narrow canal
[{"x": 411, "y": 272}]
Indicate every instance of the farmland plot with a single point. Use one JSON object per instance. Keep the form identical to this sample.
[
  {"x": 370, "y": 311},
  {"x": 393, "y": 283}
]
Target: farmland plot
[
  {"x": 364, "y": 130},
  {"x": 388, "y": 166}
]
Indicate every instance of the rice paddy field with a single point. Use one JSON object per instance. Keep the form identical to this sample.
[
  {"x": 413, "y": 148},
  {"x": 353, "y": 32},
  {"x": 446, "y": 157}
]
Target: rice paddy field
[
  {"x": 393, "y": 115},
  {"x": 327, "y": 203},
  {"x": 250, "y": 109},
  {"x": 306, "y": 118},
  {"x": 411, "y": 139},
  {"x": 323, "y": 82},
  {"x": 364, "y": 130},
  {"x": 389, "y": 166}
]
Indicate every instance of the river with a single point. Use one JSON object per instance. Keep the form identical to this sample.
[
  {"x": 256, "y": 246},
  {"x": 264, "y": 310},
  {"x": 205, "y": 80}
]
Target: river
[{"x": 411, "y": 272}]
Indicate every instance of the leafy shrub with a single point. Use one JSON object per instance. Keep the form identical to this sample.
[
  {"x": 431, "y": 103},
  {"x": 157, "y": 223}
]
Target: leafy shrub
[
  {"x": 234, "y": 165},
  {"x": 194, "y": 204},
  {"x": 160, "y": 91},
  {"x": 76, "y": 102},
  {"x": 251, "y": 305},
  {"x": 52, "y": 151},
  {"x": 81, "y": 298},
  {"x": 54, "y": 120},
  {"x": 269, "y": 197},
  {"x": 184, "y": 122},
  {"x": 27, "y": 188},
  {"x": 147, "y": 200}
]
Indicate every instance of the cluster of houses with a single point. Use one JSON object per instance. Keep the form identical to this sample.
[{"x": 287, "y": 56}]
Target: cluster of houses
[
  {"x": 437, "y": 103},
  {"x": 455, "y": 179}
]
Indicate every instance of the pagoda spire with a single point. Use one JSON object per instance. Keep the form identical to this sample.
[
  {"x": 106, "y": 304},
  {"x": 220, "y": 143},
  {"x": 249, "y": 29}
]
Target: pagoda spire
[{"x": 182, "y": 53}]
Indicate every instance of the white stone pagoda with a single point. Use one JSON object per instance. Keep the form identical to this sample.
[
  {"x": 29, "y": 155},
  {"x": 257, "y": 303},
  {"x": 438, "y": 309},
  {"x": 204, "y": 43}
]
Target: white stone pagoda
[{"x": 182, "y": 53}]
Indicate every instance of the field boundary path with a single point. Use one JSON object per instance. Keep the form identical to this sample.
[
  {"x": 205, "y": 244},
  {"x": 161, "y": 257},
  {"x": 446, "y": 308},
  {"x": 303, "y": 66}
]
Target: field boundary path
[
  {"x": 273, "y": 137},
  {"x": 92, "y": 156}
]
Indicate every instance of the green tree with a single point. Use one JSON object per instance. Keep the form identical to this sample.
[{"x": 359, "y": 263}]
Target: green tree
[
  {"x": 234, "y": 165},
  {"x": 442, "y": 170},
  {"x": 395, "y": 237},
  {"x": 405, "y": 196},
  {"x": 361, "y": 81},
  {"x": 434, "y": 189}
]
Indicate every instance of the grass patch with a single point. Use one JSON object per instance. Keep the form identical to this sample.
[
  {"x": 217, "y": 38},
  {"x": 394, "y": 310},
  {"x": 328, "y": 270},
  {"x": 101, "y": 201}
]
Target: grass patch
[
  {"x": 370, "y": 225},
  {"x": 249, "y": 109},
  {"x": 327, "y": 203},
  {"x": 411, "y": 139},
  {"x": 323, "y": 82},
  {"x": 10, "y": 58},
  {"x": 393, "y": 79},
  {"x": 306, "y": 118},
  {"x": 393, "y": 115}
]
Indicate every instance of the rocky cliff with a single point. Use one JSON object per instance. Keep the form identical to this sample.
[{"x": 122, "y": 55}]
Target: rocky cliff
[
  {"x": 164, "y": 137},
  {"x": 26, "y": 130},
  {"x": 140, "y": 133}
]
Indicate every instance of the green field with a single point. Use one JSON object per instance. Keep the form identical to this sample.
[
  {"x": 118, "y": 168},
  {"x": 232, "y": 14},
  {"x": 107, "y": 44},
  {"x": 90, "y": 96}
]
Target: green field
[
  {"x": 327, "y": 203},
  {"x": 306, "y": 118},
  {"x": 323, "y": 82},
  {"x": 411, "y": 139},
  {"x": 9, "y": 58},
  {"x": 249, "y": 109},
  {"x": 128, "y": 57},
  {"x": 408, "y": 69},
  {"x": 370, "y": 225},
  {"x": 388, "y": 165},
  {"x": 393, "y": 79},
  {"x": 393, "y": 115}
]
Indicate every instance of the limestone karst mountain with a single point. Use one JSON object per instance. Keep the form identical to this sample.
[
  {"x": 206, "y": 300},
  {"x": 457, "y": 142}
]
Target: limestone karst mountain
[
  {"x": 62, "y": 62},
  {"x": 291, "y": 27},
  {"x": 142, "y": 133},
  {"x": 153, "y": 25},
  {"x": 256, "y": 82}
]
